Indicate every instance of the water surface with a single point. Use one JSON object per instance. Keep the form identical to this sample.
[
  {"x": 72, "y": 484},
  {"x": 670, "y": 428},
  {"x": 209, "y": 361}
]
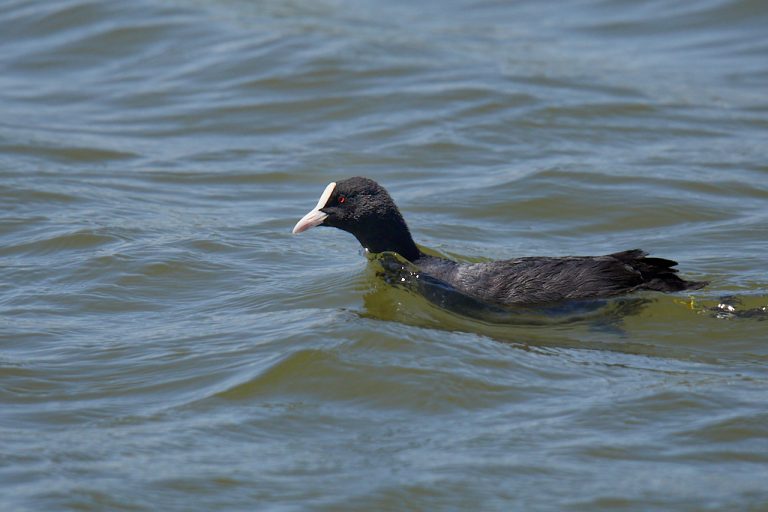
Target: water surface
[{"x": 166, "y": 343}]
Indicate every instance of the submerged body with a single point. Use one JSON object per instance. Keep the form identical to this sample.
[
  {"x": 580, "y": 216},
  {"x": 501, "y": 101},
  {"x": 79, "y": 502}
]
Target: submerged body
[{"x": 362, "y": 207}]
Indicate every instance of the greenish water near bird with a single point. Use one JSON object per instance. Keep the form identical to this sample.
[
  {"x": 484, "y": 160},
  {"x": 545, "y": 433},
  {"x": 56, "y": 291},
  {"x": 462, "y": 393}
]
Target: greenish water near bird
[{"x": 167, "y": 343}]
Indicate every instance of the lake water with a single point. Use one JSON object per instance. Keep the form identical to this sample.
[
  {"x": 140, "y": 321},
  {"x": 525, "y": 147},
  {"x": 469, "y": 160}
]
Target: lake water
[{"x": 167, "y": 344}]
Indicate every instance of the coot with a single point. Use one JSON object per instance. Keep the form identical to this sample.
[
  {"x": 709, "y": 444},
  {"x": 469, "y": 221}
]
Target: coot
[{"x": 362, "y": 207}]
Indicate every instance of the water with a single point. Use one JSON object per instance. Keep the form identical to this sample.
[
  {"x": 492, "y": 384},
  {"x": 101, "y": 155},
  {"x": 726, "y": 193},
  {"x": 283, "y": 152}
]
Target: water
[{"x": 166, "y": 343}]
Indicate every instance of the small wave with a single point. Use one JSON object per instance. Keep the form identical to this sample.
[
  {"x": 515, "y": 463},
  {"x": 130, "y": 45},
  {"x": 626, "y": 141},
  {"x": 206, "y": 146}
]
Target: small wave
[
  {"x": 67, "y": 154},
  {"x": 82, "y": 239},
  {"x": 348, "y": 375}
]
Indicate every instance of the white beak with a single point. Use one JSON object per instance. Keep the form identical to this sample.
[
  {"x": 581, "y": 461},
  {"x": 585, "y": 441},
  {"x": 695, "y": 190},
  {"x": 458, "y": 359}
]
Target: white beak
[{"x": 315, "y": 217}]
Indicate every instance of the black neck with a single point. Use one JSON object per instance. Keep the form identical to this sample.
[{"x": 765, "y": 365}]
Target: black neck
[{"x": 391, "y": 236}]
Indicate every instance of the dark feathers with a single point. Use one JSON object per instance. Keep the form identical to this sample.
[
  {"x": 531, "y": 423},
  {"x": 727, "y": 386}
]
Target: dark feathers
[
  {"x": 543, "y": 279},
  {"x": 363, "y": 208}
]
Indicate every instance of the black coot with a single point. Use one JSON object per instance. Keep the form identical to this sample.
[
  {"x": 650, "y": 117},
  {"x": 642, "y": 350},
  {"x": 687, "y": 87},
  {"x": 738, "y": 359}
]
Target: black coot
[{"x": 362, "y": 207}]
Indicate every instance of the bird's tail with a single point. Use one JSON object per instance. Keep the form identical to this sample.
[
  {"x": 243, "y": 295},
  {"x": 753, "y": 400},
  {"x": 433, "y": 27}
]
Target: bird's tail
[{"x": 658, "y": 273}]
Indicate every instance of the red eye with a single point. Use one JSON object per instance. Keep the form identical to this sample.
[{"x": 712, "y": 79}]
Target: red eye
[{"x": 342, "y": 199}]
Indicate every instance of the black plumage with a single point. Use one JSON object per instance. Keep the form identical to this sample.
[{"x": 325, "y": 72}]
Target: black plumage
[{"x": 363, "y": 208}]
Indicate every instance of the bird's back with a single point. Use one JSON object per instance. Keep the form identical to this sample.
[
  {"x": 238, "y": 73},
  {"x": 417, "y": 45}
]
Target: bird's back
[{"x": 550, "y": 279}]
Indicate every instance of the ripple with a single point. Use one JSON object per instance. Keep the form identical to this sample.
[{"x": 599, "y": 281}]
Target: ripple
[
  {"x": 80, "y": 240},
  {"x": 320, "y": 375},
  {"x": 68, "y": 154},
  {"x": 156, "y": 312}
]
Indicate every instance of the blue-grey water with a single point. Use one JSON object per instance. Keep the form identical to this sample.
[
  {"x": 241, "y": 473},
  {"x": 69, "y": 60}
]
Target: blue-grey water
[{"x": 167, "y": 344}]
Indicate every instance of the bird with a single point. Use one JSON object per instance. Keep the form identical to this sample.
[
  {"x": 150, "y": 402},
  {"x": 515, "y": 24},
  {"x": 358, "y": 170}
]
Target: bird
[{"x": 362, "y": 207}]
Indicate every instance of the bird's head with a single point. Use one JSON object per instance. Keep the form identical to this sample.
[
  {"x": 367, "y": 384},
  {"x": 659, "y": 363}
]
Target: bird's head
[{"x": 363, "y": 208}]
